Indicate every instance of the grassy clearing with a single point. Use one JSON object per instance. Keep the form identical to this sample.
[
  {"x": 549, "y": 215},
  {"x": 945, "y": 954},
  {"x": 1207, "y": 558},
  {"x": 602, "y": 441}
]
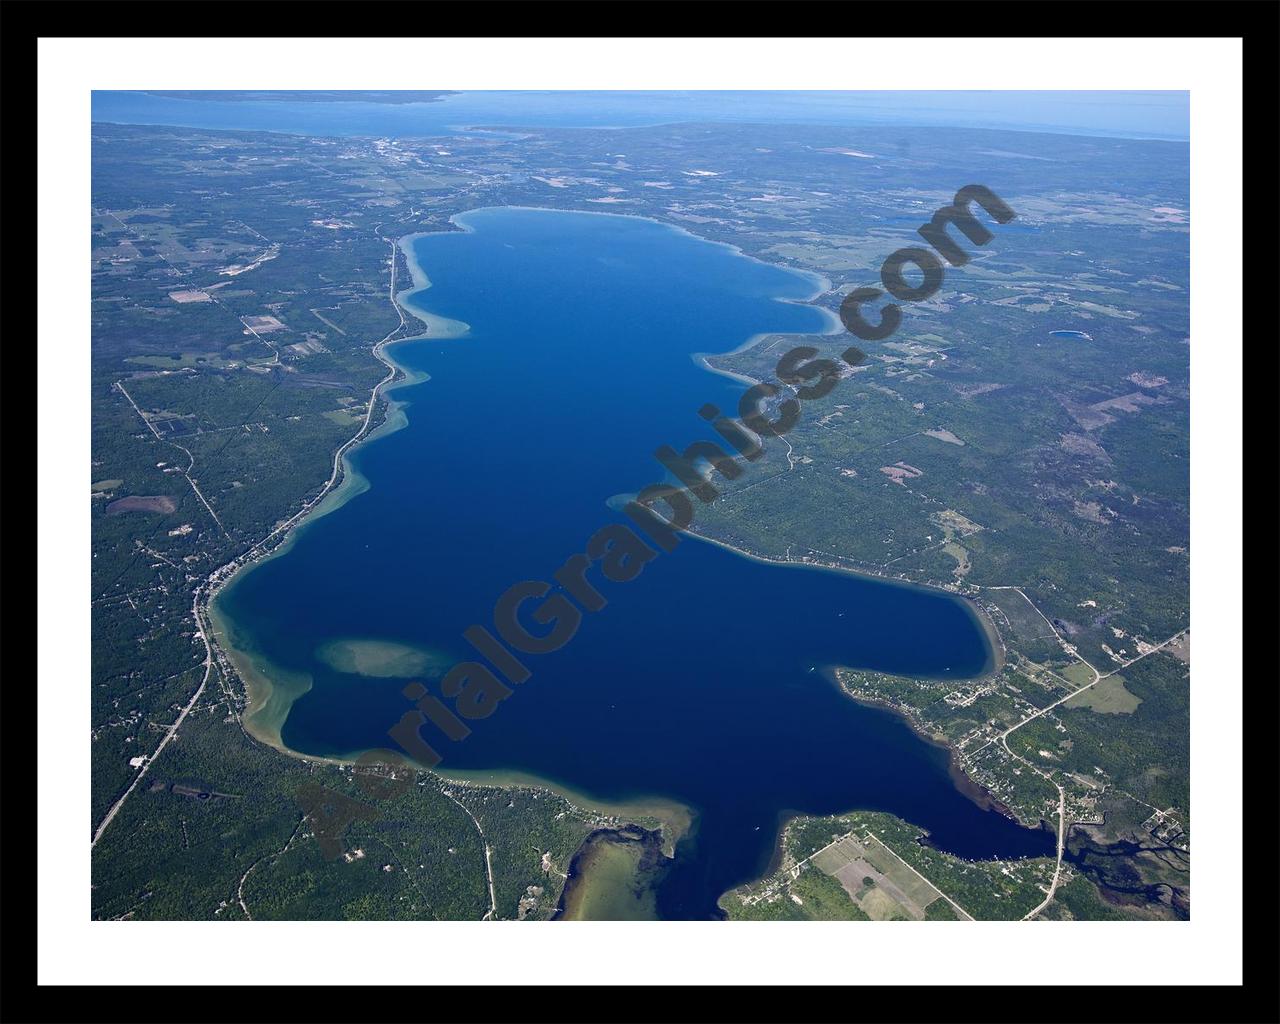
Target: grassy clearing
[
  {"x": 344, "y": 417},
  {"x": 179, "y": 360},
  {"x": 1109, "y": 697},
  {"x": 1078, "y": 673}
]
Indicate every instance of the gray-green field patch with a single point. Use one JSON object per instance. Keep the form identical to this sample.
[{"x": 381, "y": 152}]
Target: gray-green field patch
[
  {"x": 1109, "y": 697},
  {"x": 1079, "y": 673},
  {"x": 344, "y": 417},
  {"x": 877, "y": 881},
  {"x": 179, "y": 360}
]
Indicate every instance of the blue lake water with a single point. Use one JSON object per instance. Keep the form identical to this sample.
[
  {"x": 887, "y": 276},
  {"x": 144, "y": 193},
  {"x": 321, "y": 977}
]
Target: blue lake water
[
  {"x": 702, "y": 680},
  {"x": 1150, "y": 115}
]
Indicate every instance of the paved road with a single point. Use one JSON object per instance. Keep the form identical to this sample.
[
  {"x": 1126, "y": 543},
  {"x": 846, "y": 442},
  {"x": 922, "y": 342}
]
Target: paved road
[
  {"x": 172, "y": 731},
  {"x": 207, "y": 588}
]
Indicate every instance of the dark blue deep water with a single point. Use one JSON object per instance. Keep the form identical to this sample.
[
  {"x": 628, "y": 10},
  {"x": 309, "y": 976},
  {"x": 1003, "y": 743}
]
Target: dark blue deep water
[{"x": 702, "y": 680}]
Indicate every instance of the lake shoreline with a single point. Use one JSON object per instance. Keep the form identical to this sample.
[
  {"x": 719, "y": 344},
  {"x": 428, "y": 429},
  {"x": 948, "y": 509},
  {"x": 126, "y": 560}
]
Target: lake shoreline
[
  {"x": 347, "y": 482},
  {"x": 259, "y": 684},
  {"x": 991, "y": 635},
  {"x": 966, "y": 785},
  {"x": 592, "y": 858}
]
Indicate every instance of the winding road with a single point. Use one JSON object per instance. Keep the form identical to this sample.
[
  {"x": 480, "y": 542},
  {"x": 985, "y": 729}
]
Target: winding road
[{"x": 209, "y": 587}]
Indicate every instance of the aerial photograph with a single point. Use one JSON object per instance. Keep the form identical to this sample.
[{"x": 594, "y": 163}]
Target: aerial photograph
[{"x": 640, "y": 506}]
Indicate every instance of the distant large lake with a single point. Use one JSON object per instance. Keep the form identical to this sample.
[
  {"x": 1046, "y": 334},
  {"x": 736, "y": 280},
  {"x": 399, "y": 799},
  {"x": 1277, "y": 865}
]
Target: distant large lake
[
  {"x": 1148, "y": 115},
  {"x": 702, "y": 680}
]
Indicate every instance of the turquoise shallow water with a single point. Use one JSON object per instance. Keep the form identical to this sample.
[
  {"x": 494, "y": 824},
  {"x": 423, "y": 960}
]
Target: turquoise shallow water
[{"x": 702, "y": 679}]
